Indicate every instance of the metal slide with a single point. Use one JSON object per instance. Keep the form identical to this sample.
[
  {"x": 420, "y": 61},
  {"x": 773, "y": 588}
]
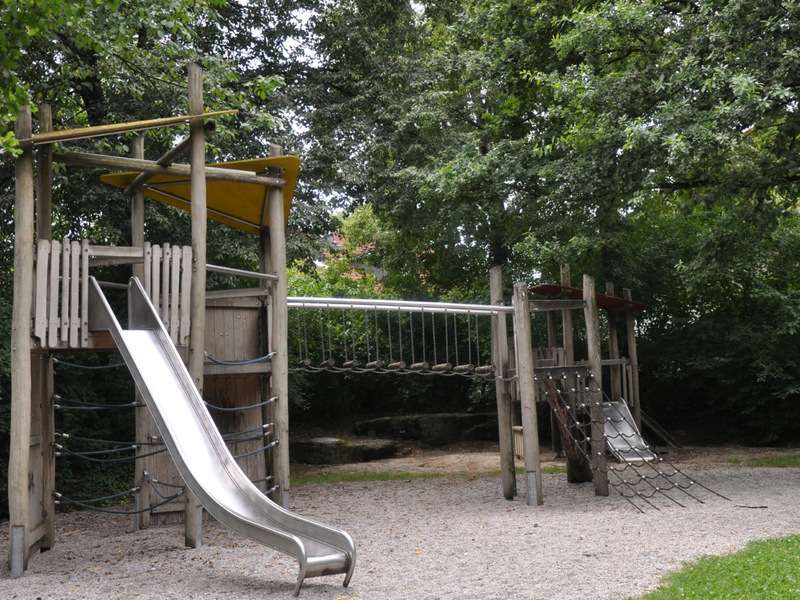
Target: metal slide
[
  {"x": 623, "y": 437},
  {"x": 199, "y": 452}
]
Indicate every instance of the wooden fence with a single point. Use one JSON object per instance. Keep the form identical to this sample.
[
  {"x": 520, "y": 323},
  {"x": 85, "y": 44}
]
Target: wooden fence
[{"x": 61, "y": 301}]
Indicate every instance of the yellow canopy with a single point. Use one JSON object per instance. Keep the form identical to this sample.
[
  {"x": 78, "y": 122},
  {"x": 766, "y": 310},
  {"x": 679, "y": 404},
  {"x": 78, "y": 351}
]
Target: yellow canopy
[{"x": 240, "y": 205}]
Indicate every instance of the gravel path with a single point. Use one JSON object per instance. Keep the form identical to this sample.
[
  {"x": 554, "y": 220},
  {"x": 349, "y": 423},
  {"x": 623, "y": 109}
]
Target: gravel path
[{"x": 434, "y": 538}]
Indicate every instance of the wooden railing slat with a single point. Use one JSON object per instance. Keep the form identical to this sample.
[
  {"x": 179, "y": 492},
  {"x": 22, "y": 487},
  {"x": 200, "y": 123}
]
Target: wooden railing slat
[
  {"x": 65, "y": 264},
  {"x": 148, "y": 268},
  {"x": 52, "y": 311},
  {"x": 174, "y": 295},
  {"x": 186, "y": 286},
  {"x": 42, "y": 268},
  {"x": 165, "y": 265},
  {"x": 155, "y": 290},
  {"x": 75, "y": 255},
  {"x": 84, "y": 323}
]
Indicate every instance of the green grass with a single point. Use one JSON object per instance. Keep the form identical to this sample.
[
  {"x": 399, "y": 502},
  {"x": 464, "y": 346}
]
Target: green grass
[
  {"x": 775, "y": 461},
  {"x": 768, "y": 570},
  {"x": 301, "y": 475}
]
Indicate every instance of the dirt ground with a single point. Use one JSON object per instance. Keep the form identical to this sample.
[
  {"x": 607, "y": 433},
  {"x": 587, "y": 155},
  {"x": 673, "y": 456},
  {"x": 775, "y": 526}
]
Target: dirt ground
[{"x": 483, "y": 457}]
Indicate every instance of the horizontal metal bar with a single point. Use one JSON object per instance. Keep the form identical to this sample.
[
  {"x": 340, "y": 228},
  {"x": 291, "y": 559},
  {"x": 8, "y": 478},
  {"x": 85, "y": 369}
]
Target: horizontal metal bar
[
  {"x": 398, "y": 306},
  {"x": 241, "y": 273}
]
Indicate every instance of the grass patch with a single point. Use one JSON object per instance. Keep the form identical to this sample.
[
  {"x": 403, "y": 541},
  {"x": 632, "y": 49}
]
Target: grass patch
[
  {"x": 766, "y": 570},
  {"x": 301, "y": 475},
  {"x": 775, "y": 461}
]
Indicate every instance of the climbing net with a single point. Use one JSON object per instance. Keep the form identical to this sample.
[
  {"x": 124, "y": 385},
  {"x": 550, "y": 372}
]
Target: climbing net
[
  {"x": 641, "y": 476},
  {"x": 381, "y": 336},
  {"x": 103, "y": 451}
]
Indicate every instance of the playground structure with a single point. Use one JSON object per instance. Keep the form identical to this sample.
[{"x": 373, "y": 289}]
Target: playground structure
[
  {"x": 59, "y": 308},
  {"x": 227, "y": 351}
]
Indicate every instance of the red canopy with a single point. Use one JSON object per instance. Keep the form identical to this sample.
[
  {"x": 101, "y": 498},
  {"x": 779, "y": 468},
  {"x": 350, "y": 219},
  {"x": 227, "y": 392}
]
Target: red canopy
[{"x": 606, "y": 302}]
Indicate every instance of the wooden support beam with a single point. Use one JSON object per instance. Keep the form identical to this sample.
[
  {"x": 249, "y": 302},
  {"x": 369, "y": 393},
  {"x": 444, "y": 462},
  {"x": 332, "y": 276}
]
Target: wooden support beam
[
  {"x": 194, "y": 512},
  {"x": 143, "y": 418},
  {"x": 44, "y": 178},
  {"x": 48, "y": 451},
  {"x": 552, "y": 342},
  {"x": 554, "y": 304},
  {"x": 280, "y": 330},
  {"x": 84, "y": 133},
  {"x": 265, "y": 323},
  {"x": 502, "y": 392},
  {"x": 19, "y": 451},
  {"x": 630, "y": 323},
  {"x": 120, "y": 163},
  {"x": 596, "y": 396},
  {"x": 137, "y": 212},
  {"x": 135, "y": 186},
  {"x": 568, "y": 343},
  {"x": 527, "y": 389},
  {"x": 613, "y": 348}
]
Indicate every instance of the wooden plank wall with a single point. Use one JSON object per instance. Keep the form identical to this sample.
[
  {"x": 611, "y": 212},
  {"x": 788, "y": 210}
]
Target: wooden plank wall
[{"x": 232, "y": 335}]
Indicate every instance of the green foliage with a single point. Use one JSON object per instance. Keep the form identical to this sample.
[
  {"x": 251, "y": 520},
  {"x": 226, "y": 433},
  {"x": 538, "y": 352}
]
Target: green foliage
[{"x": 767, "y": 569}]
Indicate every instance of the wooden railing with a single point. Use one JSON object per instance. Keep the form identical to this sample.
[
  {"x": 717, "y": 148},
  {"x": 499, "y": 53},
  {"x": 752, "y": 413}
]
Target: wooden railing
[{"x": 60, "y": 304}]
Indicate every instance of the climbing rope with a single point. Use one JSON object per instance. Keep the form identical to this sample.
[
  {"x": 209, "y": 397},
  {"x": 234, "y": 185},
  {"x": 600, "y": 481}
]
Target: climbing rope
[
  {"x": 241, "y": 362},
  {"x": 257, "y": 450},
  {"x": 58, "y": 361},
  {"x": 90, "y": 455},
  {"x": 91, "y": 405},
  {"x": 238, "y": 408},
  {"x": 69, "y": 436},
  {"x": 640, "y": 479}
]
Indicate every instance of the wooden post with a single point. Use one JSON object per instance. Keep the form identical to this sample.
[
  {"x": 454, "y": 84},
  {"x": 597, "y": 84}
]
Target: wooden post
[
  {"x": 137, "y": 209},
  {"x": 44, "y": 178},
  {"x": 552, "y": 342},
  {"x": 44, "y": 231},
  {"x": 502, "y": 393},
  {"x": 265, "y": 266},
  {"x": 568, "y": 343},
  {"x": 613, "y": 348},
  {"x": 630, "y": 323},
  {"x": 566, "y": 319},
  {"x": 596, "y": 396},
  {"x": 194, "y": 513},
  {"x": 49, "y": 457},
  {"x": 280, "y": 330},
  {"x": 525, "y": 378},
  {"x": 142, "y": 417},
  {"x": 19, "y": 451}
]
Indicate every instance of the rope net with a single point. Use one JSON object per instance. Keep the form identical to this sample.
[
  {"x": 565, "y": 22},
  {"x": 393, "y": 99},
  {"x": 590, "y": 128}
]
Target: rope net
[{"x": 641, "y": 476}]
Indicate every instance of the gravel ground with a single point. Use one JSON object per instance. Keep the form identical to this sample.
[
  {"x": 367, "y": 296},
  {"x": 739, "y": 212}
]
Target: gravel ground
[{"x": 433, "y": 538}]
